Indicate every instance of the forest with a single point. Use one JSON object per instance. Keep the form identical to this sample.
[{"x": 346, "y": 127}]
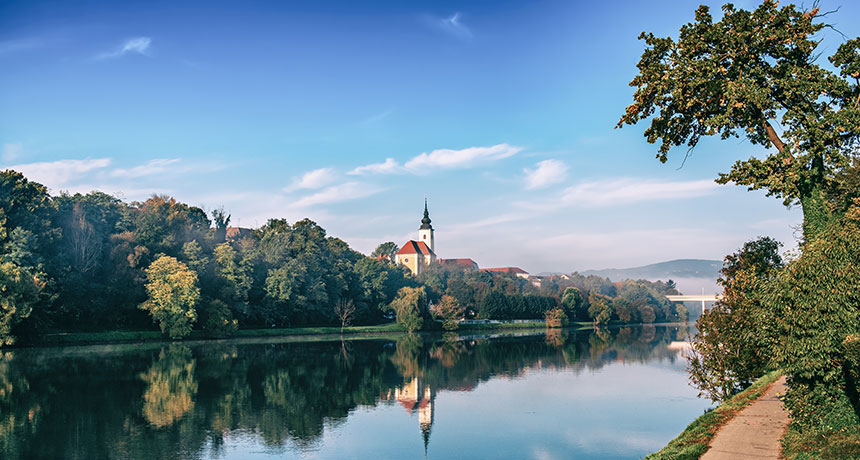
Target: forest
[{"x": 92, "y": 262}]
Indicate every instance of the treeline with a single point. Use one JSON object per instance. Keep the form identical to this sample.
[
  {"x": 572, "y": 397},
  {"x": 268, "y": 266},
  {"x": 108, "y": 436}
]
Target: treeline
[
  {"x": 590, "y": 298},
  {"x": 92, "y": 262}
]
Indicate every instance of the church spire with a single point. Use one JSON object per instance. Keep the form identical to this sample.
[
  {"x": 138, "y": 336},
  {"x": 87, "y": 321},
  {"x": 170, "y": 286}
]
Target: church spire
[{"x": 425, "y": 222}]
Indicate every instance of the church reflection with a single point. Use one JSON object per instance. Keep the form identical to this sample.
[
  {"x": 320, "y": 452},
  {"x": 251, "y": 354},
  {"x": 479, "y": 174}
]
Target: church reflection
[
  {"x": 193, "y": 398},
  {"x": 417, "y": 397}
]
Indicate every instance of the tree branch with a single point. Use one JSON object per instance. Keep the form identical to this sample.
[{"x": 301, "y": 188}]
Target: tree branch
[{"x": 774, "y": 138}]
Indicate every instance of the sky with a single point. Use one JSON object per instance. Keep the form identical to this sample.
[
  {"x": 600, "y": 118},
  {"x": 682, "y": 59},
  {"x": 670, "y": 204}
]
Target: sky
[{"x": 349, "y": 113}]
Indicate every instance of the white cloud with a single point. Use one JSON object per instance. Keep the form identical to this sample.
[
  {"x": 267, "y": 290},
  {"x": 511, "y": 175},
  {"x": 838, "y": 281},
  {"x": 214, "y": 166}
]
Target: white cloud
[
  {"x": 315, "y": 179},
  {"x": 447, "y": 158},
  {"x": 626, "y": 191},
  {"x": 389, "y": 166},
  {"x": 150, "y": 168},
  {"x": 451, "y": 25},
  {"x": 337, "y": 193},
  {"x": 58, "y": 174},
  {"x": 139, "y": 45},
  {"x": 11, "y": 151},
  {"x": 548, "y": 172}
]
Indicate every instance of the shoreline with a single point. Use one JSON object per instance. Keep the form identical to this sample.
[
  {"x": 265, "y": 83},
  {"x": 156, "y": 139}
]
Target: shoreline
[{"x": 60, "y": 339}]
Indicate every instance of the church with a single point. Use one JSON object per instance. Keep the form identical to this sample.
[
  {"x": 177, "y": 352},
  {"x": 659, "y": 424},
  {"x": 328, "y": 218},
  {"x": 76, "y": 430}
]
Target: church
[{"x": 418, "y": 255}]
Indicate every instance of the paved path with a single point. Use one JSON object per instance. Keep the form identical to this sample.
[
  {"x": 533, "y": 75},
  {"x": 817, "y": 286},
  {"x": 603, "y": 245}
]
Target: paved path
[{"x": 755, "y": 431}]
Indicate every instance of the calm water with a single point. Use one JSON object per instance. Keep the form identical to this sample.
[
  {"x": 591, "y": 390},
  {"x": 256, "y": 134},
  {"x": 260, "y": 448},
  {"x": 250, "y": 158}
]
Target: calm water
[{"x": 617, "y": 394}]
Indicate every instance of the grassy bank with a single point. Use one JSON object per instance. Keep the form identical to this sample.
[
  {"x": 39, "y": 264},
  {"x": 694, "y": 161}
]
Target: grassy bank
[
  {"x": 834, "y": 435},
  {"x": 78, "y": 338},
  {"x": 693, "y": 441}
]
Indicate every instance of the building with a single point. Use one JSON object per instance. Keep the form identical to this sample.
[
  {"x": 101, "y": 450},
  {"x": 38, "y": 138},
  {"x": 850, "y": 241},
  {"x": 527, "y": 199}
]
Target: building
[
  {"x": 418, "y": 255},
  {"x": 467, "y": 265},
  {"x": 519, "y": 272}
]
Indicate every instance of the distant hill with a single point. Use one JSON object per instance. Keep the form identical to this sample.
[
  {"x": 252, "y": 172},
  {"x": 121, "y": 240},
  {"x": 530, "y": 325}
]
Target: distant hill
[{"x": 674, "y": 269}]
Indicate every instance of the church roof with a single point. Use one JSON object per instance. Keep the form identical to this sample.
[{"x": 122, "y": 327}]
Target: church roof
[
  {"x": 514, "y": 270},
  {"x": 425, "y": 222},
  {"x": 415, "y": 247}
]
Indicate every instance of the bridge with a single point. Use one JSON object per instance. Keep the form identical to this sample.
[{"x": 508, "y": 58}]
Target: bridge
[{"x": 695, "y": 298}]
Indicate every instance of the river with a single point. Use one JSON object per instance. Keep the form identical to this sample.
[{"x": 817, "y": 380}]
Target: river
[{"x": 611, "y": 394}]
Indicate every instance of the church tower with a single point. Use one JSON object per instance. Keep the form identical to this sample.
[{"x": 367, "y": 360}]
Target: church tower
[{"x": 425, "y": 232}]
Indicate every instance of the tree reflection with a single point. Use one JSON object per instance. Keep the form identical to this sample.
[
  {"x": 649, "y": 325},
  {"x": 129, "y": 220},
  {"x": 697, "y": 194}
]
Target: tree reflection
[
  {"x": 196, "y": 398},
  {"x": 170, "y": 386}
]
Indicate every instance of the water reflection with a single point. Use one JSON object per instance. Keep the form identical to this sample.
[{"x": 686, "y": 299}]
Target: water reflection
[{"x": 194, "y": 401}]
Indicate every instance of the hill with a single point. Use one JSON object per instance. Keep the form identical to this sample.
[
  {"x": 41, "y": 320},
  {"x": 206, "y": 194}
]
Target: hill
[{"x": 674, "y": 269}]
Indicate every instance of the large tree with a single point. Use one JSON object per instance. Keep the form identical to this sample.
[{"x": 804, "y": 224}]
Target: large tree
[
  {"x": 754, "y": 74},
  {"x": 173, "y": 296}
]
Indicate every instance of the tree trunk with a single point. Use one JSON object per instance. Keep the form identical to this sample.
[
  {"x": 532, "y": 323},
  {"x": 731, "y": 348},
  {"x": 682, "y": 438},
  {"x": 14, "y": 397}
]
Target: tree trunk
[{"x": 816, "y": 214}]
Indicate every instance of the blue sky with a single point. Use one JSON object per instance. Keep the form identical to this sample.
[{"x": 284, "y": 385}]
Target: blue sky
[{"x": 502, "y": 113}]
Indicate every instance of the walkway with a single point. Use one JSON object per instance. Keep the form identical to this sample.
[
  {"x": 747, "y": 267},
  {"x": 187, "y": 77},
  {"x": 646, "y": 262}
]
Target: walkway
[{"x": 755, "y": 431}]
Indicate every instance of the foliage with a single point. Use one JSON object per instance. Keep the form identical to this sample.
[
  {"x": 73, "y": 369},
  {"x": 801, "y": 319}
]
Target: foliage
[
  {"x": 410, "y": 307},
  {"x": 217, "y": 319},
  {"x": 817, "y": 302},
  {"x": 599, "y": 310},
  {"x": 740, "y": 76},
  {"x": 385, "y": 251},
  {"x": 19, "y": 290},
  {"x": 573, "y": 304},
  {"x": 733, "y": 342},
  {"x": 555, "y": 318},
  {"x": 694, "y": 440},
  {"x": 449, "y": 311},
  {"x": 173, "y": 296}
]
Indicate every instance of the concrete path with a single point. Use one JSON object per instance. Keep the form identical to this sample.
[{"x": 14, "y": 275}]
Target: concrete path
[{"x": 755, "y": 431}]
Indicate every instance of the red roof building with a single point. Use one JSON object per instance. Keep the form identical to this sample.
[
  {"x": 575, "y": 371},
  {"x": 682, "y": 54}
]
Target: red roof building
[
  {"x": 462, "y": 264},
  {"x": 508, "y": 270}
]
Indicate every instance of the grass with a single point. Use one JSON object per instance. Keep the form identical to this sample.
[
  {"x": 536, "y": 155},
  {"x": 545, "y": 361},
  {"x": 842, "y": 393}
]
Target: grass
[
  {"x": 78, "y": 338},
  {"x": 833, "y": 435},
  {"x": 694, "y": 440}
]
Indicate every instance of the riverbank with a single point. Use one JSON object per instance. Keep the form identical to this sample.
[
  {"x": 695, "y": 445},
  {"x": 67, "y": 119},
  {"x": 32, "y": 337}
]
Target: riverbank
[
  {"x": 84, "y": 338},
  {"x": 693, "y": 442}
]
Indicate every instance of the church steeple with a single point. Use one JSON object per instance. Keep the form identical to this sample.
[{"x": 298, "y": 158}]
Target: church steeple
[
  {"x": 425, "y": 222},
  {"x": 425, "y": 232}
]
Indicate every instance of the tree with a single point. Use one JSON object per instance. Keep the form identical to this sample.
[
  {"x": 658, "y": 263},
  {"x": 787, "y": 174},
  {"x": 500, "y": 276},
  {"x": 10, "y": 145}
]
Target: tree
[
  {"x": 385, "y": 251},
  {"x": 571, "y": 300},
  {"x": 173, "y": 296},
  {"x": 598, "y": 308},
  {"x": 409, "y": 307},
  {"x": 448, "y": 309},
  {"x": 20, "y": 290},
  {"x": 221, "y": 220},
  {"x": 555, "y": 318},
  {"x": 735, "y": 339},
  {"x": 740, "y": 76},
  {"x": 344, "y": 310}
]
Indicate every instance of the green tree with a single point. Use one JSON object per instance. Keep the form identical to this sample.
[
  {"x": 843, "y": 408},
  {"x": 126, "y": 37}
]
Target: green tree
[
  {"x": 19, "y": 291},
  {"x": 740, "y": 76},
  {"x": 173, "y": 296},
  {"x": 386, "y": 251},
  {"x": 409, "y": 307},
  {"x": 735, "y": 339},
  {"x": 599, "y": 308},
  {"x": 555, "y": 318},
  {"x": 817, "y": 318},
  {"x": 572, "y": 302},
  {"x": 449, "y": 311}
]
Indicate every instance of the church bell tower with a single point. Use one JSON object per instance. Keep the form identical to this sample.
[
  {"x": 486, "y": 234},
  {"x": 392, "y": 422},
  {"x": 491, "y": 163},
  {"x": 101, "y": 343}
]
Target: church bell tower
[{"x": 425, "y": 232}]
